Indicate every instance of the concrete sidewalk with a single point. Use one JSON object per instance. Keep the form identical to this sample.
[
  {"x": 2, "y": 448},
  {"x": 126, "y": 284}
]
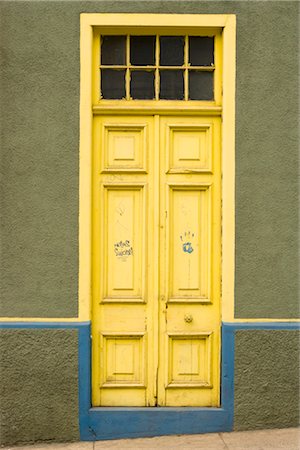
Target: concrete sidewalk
[{"x": 287, "y": 438}]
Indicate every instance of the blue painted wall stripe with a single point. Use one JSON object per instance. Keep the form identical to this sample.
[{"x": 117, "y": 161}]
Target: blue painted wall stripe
[
  {"x": 84, "y": 378},
  {"x": 262, "y": 325},
  {"x": 43, "y": 324},
  {"x": 234, "y": 325}
]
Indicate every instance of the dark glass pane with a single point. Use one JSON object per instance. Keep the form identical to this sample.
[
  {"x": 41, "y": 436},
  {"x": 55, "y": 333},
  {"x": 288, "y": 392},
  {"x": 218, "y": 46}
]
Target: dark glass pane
[
  {"x": 171, "y": 85},
  {"x": 201, "y": 85},
  {"x": 201, "y": 51},
  {"x": 113, "y": 83},
  {"x": 142, "y": 50},
  {"x": 113, "y": 50},
  {"x": 171, "y": 50},
  {"x": 142, "y": 84}
]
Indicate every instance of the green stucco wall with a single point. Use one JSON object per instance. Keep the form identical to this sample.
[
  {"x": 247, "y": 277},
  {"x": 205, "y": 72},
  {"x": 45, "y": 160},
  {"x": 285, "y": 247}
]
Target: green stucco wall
[
  {"x": 266, "y": 379},
  {"x": 38, "y": 389},
  {"x": 39, "y": 164}
]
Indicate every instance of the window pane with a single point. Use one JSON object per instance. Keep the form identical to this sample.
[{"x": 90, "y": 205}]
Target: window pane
[
  {"x": 201, "y": 85},
  {"x": 142, "y": 84},
  {"x": 113, "y": 83},
  {"x": 201, "y": 51},
  {"x": 171, "y": 50},
  {"x": 142, "y": 50},
  {"x": 113, "y": 50},
  {"x": 171, "y": 85}
]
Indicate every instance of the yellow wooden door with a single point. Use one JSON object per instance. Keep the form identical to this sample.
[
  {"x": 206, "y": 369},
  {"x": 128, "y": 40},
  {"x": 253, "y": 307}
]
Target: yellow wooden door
[
  {"x": 190, "y": 217},
  {"x": 156, "y": 261},
  {"x": 123, "y": 261}
]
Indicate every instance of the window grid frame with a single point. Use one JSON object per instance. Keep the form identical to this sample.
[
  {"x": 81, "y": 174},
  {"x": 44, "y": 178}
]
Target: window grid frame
[{"x": 185, "y": 68}]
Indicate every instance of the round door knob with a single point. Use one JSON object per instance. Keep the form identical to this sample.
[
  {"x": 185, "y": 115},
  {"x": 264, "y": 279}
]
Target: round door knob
[{"x": 188, "y": 318}]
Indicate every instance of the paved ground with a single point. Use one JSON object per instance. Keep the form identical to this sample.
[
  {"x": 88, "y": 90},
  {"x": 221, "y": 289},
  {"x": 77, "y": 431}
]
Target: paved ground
[{"x": 288, "y": 438}]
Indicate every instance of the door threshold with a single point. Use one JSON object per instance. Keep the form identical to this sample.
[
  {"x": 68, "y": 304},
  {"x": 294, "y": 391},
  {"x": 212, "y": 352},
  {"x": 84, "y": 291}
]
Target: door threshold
[
  {"x": 131, "y": 422},
  {"x": 154, "y": 408}
]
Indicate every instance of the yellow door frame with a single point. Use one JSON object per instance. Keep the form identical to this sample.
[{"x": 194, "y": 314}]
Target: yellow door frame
[
  {"x": 90, "y": 104},
  {"x": 188, "y": 23}
]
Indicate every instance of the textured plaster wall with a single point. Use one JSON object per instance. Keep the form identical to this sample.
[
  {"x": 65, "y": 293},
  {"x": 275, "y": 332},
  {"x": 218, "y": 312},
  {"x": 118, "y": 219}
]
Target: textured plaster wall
[
  {"x": 266, "y": 384},
  {"x": 38, "y": 390},
  {"x": 39, "y": 91},
  {"x": 267, "y": 135},
  {"x": 39, "y": 164}
]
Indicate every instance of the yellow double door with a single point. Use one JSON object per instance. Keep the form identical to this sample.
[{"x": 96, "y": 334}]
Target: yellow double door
[{"x": 156, "y": 260}]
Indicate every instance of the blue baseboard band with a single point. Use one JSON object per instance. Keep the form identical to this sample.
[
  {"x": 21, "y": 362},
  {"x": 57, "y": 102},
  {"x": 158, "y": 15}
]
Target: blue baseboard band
[
  {"x": 46, "y": 325},
  {"x": 126, "y": 422}
]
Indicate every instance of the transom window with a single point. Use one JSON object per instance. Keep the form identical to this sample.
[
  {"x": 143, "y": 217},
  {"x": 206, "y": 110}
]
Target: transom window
[{"x": 157, "y": 67}]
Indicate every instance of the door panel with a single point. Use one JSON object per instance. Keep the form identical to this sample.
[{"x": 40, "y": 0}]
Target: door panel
[
  {"x": 190, "y": 209},
  {"x": 156, "y": 261},
  {"x": 123, "y": 262}
]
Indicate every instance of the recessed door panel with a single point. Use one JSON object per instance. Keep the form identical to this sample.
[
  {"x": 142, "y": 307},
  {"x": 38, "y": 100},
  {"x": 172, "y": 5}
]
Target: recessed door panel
[
  {"x": 124, "y": 239},
  {"x": 123, "y": 360},
  {"x": 189, "y": 360},
  {"x": 124, "y": 147},
  {"x": 189, "y": 147},
  {"x": 189, "y": 242}
]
